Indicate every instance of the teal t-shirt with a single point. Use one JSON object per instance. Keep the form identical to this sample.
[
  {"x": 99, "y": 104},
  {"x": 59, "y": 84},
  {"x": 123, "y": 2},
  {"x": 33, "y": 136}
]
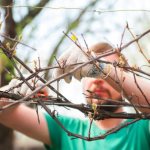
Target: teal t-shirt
[{"x": 133, "y": 137}]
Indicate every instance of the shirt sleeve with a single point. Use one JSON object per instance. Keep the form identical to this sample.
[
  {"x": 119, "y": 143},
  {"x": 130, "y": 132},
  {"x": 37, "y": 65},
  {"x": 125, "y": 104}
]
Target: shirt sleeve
[
  {"x": 148, "y": 122},
  {"x": 54, "y": 133}
]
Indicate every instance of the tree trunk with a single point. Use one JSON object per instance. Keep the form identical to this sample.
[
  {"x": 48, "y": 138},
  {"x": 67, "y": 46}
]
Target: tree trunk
[{"x": 6, "y": 134}]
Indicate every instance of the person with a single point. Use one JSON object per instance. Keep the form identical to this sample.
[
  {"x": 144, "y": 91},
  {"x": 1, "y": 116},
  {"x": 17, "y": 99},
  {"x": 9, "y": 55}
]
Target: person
[{"x": 134, "y": 136}]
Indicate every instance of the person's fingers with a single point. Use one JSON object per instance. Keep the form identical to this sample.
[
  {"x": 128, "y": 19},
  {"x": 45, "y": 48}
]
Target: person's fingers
[
  {"x": 68, "y": 78},
  {"x": 69, "y": 61},
  {"x": 4, "y": 88},
  {"x": 11, "y": 84},
  {"x": 14, "y": 83},
  {"x": 67, "y": 70},
  {"x": 16, "y": 90},
  {"x": 57, "y": 72},
  {"x": 24, "y": 88},
  {"x": 78, "y": 75},
  {"x": 72, "y": 62},
  {"x": 65, "y": 55},
  {"x": 65, "y": 62},
  {"x": 28, "y": 91},
  {"x": 61, "y": 66},
  {"x": 90, "y": 70}
]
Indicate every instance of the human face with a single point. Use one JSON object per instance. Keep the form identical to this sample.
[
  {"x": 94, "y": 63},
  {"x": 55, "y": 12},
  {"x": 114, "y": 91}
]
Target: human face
[{"x": 100, "y": 88}]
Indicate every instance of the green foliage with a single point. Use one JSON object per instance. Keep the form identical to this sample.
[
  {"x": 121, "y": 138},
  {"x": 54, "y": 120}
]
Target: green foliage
[
  {"x": 5, "y": 64},
  {"x": 74, "y": 25}
]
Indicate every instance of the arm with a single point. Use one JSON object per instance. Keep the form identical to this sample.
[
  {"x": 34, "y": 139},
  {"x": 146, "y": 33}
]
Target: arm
[
  {"x": 140, "y": 95},
  {"x": 75, "y": 55},
  {"x": 24, "y": 120}
]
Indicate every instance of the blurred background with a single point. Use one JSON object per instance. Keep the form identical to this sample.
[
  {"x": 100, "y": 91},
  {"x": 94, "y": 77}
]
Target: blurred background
[{"x": 40, "y": 24}]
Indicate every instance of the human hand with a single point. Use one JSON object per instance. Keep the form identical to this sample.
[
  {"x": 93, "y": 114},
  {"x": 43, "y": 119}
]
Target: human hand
[
  {"x": 17, "y": 87},
  {"x": 75, "y": 55}
]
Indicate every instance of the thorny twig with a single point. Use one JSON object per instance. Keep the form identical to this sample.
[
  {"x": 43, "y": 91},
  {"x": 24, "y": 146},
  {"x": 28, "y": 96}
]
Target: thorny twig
[{"x": 60, "y": 100}]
